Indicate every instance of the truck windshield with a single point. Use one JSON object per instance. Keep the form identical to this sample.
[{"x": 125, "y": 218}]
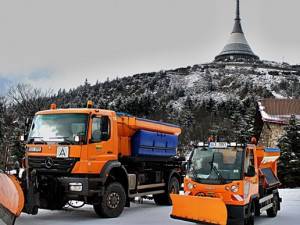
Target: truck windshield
[
  {"x": 215, "y": 165},
  {"x": 58, "y": 127}
]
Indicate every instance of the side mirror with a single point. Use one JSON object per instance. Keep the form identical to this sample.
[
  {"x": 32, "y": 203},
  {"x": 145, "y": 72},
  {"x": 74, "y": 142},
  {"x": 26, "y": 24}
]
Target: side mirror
[
  {"x": 26, "y": 128},
  {"x": 187, "y": 164},
  {"x": 27, "y": 121},
  {"x": 250, "y": 171},
  {"x": 78, "y": 138}
]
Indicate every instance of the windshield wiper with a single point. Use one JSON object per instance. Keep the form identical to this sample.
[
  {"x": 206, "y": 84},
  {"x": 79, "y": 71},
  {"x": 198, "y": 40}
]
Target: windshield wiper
[
  {"x": 222, "y": 180},
  {"x": 32, "y": 140},
  {"x": 197, "y": 179},
  {"x": 213, "y": 167},
  {"x": 65, "y": 140}
]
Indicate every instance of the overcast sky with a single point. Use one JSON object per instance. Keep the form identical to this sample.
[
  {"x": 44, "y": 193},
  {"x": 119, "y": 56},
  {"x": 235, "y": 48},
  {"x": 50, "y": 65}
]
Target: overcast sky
[{"x": 59, "y": 43}]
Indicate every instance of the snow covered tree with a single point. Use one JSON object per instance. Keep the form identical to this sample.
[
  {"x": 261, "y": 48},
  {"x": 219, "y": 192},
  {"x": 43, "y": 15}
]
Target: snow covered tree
[
  {"x": 289, "y": 162},
  {"x": 2, "y": 130}
]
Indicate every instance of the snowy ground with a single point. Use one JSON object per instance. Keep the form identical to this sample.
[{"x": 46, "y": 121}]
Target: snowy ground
[{"x": 149, "y": 213}]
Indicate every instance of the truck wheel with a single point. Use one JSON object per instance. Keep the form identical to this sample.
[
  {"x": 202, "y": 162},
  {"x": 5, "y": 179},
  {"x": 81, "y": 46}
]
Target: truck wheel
[
  {"x": 250, "y": 219},
  {"x": 165, "y": 199},
  {"x": 113, "y": 202},
  {"x": 272, "y": 212}
]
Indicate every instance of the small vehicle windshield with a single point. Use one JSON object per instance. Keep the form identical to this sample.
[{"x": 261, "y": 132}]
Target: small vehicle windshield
[
  {"x": 58, "y": 127},
  {"x": 216, "y": 165}
]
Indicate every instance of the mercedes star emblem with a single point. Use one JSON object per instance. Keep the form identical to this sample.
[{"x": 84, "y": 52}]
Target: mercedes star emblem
[{"x": 49, "y": 163}]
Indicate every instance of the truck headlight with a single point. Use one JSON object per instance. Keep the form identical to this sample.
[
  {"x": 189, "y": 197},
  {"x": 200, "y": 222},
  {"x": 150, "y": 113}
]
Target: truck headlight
[
  {"x": 189, "y": 186},
  {"x": 75, "y": 186},
  {"x": 234, "y": 188}
]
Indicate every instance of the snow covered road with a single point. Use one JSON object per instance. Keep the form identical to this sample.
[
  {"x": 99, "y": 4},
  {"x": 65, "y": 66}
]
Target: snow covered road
[{"x": 149, "y": 213}]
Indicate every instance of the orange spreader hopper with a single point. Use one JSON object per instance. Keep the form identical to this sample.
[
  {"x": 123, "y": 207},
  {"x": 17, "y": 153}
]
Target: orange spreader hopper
[
  {"x": 11, "y": 198},
  {"x": 129, "y": 125}
]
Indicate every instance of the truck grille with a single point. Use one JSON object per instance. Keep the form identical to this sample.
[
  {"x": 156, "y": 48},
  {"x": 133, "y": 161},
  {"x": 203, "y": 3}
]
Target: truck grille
[{"x": 52, "y": 164}]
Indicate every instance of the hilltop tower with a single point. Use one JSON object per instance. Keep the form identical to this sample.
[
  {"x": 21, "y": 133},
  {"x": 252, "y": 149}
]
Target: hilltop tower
[{"x": 237, "y": 47}]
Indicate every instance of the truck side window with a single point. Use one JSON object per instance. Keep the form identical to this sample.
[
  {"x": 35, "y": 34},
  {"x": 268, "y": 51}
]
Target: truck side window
[
  {"x": 105, "y": 128},
  {"x": 249, "y": 159},
  {"x": 96, "y": 129},
  {"x": 100, "y": 129},
  {"x": 246, "y": 160}
]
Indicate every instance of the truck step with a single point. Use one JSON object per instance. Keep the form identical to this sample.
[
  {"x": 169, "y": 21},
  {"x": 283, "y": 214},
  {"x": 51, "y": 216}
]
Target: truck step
[
  {"x": 146, "y": 193},
  {"x": 147, "y": 186}
]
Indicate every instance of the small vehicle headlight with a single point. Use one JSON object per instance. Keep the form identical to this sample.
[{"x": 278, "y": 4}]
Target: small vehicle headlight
[
  {"x": 189, "y": 186},
  {"x": 234, "y": 188}
]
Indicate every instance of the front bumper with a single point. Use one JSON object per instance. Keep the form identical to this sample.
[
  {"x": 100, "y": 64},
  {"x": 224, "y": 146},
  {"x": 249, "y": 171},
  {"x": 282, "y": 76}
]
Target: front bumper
[
  {"x": 236, "y": 214},
  {"x": 89, "y": 186}
]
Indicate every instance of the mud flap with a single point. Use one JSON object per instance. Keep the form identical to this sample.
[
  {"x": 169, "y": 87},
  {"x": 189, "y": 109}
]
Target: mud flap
[
  {"x": 204, "y": 210},
  {"x": 11, "y": 198}
]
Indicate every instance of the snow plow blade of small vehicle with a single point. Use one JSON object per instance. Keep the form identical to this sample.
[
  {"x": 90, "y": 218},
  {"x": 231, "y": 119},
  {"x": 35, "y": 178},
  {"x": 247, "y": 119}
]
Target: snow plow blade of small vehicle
[
  {"x": 11, "y": 198},
  {"x": 203, "y": 210}
]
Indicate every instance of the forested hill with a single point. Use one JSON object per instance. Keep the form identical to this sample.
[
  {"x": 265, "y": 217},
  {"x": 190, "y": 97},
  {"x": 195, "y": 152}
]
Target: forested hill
[{"x": 215, "y": 99}]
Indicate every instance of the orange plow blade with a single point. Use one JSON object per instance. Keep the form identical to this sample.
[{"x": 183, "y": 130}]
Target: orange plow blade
[
  {"x": 205, "y": 210},
  {"x": 11, "y": 198}
]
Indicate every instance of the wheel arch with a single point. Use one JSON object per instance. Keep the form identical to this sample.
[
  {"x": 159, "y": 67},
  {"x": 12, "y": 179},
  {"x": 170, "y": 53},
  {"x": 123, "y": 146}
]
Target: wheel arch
[
  {"x": 119, "y": 174},
  {"x": 173, "y": 173},
  {"x": 114, "y": 171},
  {"x": 254, "y": 200}
]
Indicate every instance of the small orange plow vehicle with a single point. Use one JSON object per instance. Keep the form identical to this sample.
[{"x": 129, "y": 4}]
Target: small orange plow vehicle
[{"x": 229, "y": 183}]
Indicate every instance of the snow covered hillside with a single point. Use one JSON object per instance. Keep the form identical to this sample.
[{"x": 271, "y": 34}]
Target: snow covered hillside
[{"x": 149, "y": 213}]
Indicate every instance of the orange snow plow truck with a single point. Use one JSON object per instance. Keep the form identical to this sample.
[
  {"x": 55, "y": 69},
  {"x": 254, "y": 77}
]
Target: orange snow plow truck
[
  {"x": 94, "y": 156},
  {"x": 229, "y": 183}
]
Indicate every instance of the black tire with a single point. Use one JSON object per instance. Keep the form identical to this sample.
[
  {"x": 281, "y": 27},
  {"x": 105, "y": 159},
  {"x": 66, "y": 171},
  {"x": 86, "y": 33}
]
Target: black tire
[
  {"x": 112, "y": 204},
  {"x": 251, "y": 216},
  {"x": 165, "y": 199},
  {"x": 272, "y": 212}
]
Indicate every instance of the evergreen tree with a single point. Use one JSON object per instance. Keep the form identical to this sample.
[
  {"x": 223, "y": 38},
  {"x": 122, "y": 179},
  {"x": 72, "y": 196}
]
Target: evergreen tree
[
  {"x": 289, "y": 162},
  {"x": 2, "y": 131}
]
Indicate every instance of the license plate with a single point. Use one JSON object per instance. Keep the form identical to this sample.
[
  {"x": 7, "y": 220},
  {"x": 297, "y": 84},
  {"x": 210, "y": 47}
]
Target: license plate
[
  {"x": 62, "y": 152},
  {"x": 217, "y": 145}
]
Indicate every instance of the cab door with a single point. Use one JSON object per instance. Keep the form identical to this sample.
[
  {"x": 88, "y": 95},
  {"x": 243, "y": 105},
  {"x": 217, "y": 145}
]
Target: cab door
[
  {"x": 251, "y": 174},
  {"x": 101, "y": 143}
]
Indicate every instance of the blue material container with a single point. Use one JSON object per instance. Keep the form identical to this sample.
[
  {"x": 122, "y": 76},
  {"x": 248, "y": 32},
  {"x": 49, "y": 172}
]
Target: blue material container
[{"x": 147, "y": 143}]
